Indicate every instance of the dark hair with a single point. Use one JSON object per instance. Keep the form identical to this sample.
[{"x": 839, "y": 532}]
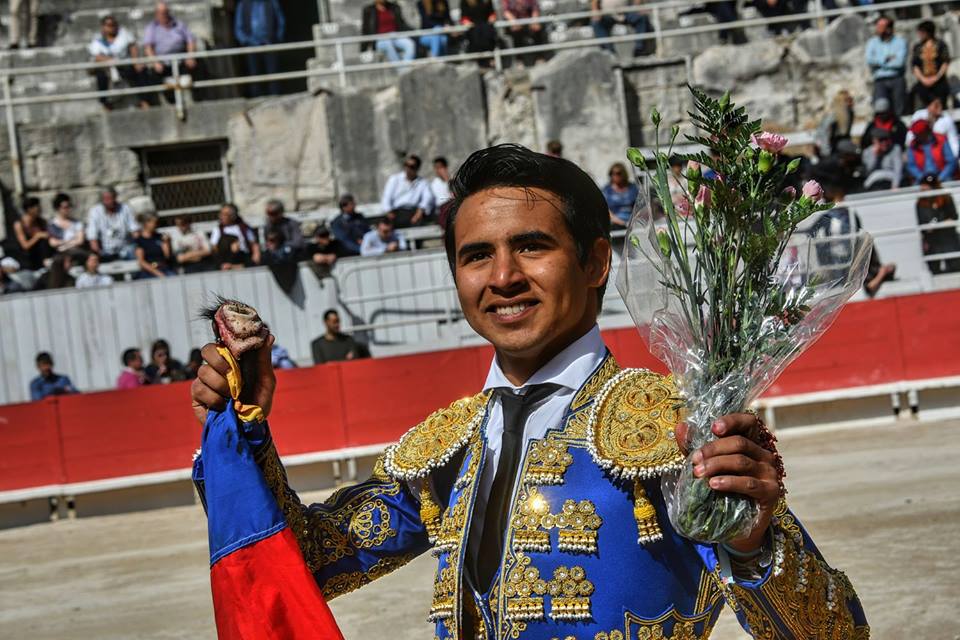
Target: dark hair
[
  {"x": 129, "y": 355},
  {"x": 159, "y": 344},
  {"x": 29, "y": 202},
  {"x": 59, "y": 199},
  {"x": 330, "y": 312},
  {"x": 883, "y": 16},
  {"x": 108, "y": 188},
  {"x": 274, "y": 204},
  {"x": 441, "y": 160},
  {"x": 386, "y": 221},
  {"x": 928, "y": 28},
  {"x": 232, "y": 207},
  {"x": 322, "y": 231},
  {"x": 109, "y": 18},
  {"x": 413, "y": 158},
  {"x": 618, "y": 166},
  {"x": 346, "y": 199},
  {"x": 44, "y": 358},
  {"x": 584, "y": 209},
  {"x": 195, "y": 356},
  {"x": 555, "y": 147}
]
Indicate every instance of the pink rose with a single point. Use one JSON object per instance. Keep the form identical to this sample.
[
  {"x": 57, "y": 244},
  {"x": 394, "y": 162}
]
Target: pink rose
[
  {"x": 682, "y": 206},
  {"x": 703, "y": 196},
  {"x": 769, "y": 141},
  {"x": 812, "y": 190}
]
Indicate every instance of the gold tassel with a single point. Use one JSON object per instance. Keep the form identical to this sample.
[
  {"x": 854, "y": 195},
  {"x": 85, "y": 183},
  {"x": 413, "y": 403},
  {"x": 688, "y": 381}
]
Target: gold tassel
[
  {"x": 648, "y": 529},
  {"x": 429, "y": 512}
]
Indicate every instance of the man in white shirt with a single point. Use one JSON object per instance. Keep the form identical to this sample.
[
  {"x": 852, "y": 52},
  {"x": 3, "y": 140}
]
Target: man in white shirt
[
  {"x": 407, "y": 199},
  {"x": 111, "y": 227},
  {"x": 191, "y": 249},
  {"x": 940, "y": 121},
  {"x": 440, "y": 185},
  {"x": 382, "y": 239},
  {"x": 116, "y": 44}
]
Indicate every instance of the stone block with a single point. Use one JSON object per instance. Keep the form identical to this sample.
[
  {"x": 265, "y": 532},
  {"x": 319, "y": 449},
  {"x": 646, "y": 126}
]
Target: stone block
[
  {"x": 841, "y": 35},
  {"x": 351, "y": 121},
  {"x": 510, "y": 110},
  {"x": 723, "y": 67},
  {"x": 389, "y": 134}
]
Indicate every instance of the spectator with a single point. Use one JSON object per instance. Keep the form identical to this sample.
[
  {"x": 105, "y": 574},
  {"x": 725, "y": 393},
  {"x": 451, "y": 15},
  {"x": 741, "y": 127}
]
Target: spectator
[
  {"x": 940, "y": 122},
  {"x": 931, "y": 59},
  {"x": 440, "y": 184},
  {"x": 91, "y": 276},
  {"x": 554, "y": 149},
  {"x": 116, "y": 44},
  {"x": 194, "y": 362},
  {"x": 24, "y": 11},
  {"x": 166, "y": 35},
  {"x": 844, "y": 167},
  {"x": 235, "y": 243},
  {"x": 334, "y": 346},
  {"x": 280, "y": 358},
  {"x": 58, "y": 275},
  {"x": 66, "y": 233},
  {"x": 49, "y": 383},
  {"x": 191, "y": 249},
  {"x": 636, "y": 19},
  {"x": 525, "y": 35},
  {"x": 620, "y": 194},
  {"x": 780, "y": 8},
  {"x": 887, "y": 60},
  {"x": 929, "y": 153},
  {"x": 111, "y": 228},
  {"x": 479, "y": 15},
  {"x": 931, "y": 210},
  {"x": 382, "y": 240},
  {"x": 383, "y": 17},
  {"x": 882, "y": 163},
  {"x": 33, "y": 237},
  {"x": 325, "y": 249},
  {"x": 349, "y": 226},
  {"x": 407, "y": 198},
  {"x": 9, "y": 280},
  {"x": 836, "y": 125},
  {"x": 162, "y": 368},
  {"x": 133, "y": 374},
  {"x": 258, "y": 23},
  {"x": 288, "y": 228},
  {"x": 276, "y": 250},
  {"x": 885, "y": 119},
  {"x": 153, "y": 250},
  {"x": 724, "y": 12},
  {"x": 434, "y": 14}
]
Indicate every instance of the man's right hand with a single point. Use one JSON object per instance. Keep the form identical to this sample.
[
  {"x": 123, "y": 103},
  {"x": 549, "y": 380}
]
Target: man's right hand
[{"x": 211, "y": 391}]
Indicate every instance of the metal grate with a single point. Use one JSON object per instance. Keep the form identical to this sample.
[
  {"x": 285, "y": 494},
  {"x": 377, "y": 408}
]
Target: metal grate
[{"x": 188, "y": 179}]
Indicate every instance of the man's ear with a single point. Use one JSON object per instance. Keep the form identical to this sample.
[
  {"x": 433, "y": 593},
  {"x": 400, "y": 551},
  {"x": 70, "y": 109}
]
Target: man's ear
[{"x": 598, "y": 262}]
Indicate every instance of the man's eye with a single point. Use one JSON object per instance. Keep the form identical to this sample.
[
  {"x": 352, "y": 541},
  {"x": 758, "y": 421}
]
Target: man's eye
[
  {"x": 531, "y": 246},
  {"x": 476, "y": 257}
]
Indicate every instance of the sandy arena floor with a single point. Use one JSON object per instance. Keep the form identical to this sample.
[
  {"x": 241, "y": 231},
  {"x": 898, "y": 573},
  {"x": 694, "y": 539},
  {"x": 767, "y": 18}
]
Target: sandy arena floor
[{"x": 882, "y": 503}]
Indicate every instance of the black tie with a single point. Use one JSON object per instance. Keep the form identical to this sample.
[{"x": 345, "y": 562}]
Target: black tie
[{"x": 516, "y": 409}]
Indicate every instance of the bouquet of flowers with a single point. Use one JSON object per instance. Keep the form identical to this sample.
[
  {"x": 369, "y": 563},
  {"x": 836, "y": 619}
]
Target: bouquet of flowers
[{"x": 742, "y": 294}]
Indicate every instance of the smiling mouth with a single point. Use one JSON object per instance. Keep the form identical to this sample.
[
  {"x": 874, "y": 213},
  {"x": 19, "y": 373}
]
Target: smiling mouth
[{"x": 511, "y": 311}]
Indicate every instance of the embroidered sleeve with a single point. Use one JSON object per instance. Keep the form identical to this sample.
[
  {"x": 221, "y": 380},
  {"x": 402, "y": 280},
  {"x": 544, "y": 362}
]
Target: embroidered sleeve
[
  {"x": 357, "y": 535},
  {"x": 799, "y": 596}
]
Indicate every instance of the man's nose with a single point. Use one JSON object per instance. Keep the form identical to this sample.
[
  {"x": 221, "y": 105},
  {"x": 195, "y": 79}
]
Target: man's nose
[{"x": 507, "y": 273}]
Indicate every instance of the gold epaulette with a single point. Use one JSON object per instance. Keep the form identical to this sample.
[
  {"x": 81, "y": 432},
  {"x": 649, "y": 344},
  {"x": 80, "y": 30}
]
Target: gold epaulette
[
  {"x": 434, "y": 441},
  {"x": 630, "y": 430}
]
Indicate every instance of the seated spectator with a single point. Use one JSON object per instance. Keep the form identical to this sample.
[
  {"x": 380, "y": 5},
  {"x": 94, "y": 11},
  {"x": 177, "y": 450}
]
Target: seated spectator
[
  {"x": 9, "y": 282},
  {"x": 931, "y": 210},
  {"x": 153, "y": 250},
  {"x": 58, "y": 275},
  {"x": 940, "y": 122},
  {"x": 277, "y": 251},
  {"x": 33, "y": 237},
  {"x": 349, "y": 226},
  {"x": 885, "y": 119},
  {"x": 111, "y": 228},
  {"x": 780, "y": 8},
  {"x": 635, "y": 19},
  {"x": 49, "y": 383},
  {"x": 191, "y": 249},
  {"x": 91, "y": 276},
  {"x": 133, "y": 374},
  {"x": 235, "y": 244},
  {"x": 844, "y": 166},
  {"x": 162, "y": 368},
  {"x": 554, "y": 149},
  {"x": 287, "y": 227},
  {"x": 325, "y": 249},
  {"x": 929, "y": 153},
  {"x": 257, "y": 23},
  {"x": 440, "y": 184},
  {"x": 66, "y": 232},
  {"x": 887, "y": 59},
  {"x": 383, "y": 17},
  {"x": 382, "y": 240},
  {"x": 116, "y": 44},
  {"x": 525, "y": 35},
  {"x": 334, "y": 346},
  {"x": 434, "y": 14},
  {"x": 724, "y": 12},
  {"x": 620, "y": 194},
  {"x": 479, "y": 15},
  {"x": 194, "y": 362},
  {"x": 882, "y": 163},
  {"x": 280, "y": 358},
  {"x": 407, "y": 199},
  {"x": 930, "y": 62},
  {"x": 836, "y": 125},
  {"x": 166, "y": 35}
]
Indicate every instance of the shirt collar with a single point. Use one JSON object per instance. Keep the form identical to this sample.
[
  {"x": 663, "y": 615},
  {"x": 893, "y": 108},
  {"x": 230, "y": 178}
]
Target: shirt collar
[{"x": 570, "y": 368}]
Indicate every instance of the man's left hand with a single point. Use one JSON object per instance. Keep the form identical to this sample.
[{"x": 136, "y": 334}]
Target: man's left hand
[{"x": 735, "y": 463}]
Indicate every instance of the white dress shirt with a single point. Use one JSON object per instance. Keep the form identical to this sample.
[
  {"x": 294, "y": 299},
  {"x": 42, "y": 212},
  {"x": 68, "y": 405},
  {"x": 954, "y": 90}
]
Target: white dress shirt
[
  {"x": 400, "y": 193},
  {"x": 569, "y": 369}
]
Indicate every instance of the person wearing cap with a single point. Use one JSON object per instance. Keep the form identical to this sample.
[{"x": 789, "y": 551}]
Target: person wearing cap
[
  {"x": 882, "y": 163},
  {"x": 940, "y": 122},
  {"x": 929, "y": 153},
  {"x": 884, "y": 119},
  {"x": 349, "y": 227},
  {"x": 930, "y": 62},
  {"x": 931, "y": 210},
  {"x": 887, "y": 59}
]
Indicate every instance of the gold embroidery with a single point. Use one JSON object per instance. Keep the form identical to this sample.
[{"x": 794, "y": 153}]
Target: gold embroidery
[
  {"x": 570, "y": 593},
  {"x": 429, "y": 512},
  {"x": 346, "y": 582},
  {"x": 616, "y": 634},
  {"x": 578, "y": 523},
  {"x": 452, "y": 526},
  {"x": 434, "y": 441},
  {"x": 532, "y": 522},
  {"x": 548, "y": 461},
  {"x": 681, "y": 631},
  {"x": 708, "y": 593},
  {"x": 444, "y": 586},
  {"x": 670, "y": 626},
  {"x": 524, "y": 590},
  {"x": 370, "y": 525},
  {"x": 588, "y": 392},
  {"x": 648, "y": 529}
]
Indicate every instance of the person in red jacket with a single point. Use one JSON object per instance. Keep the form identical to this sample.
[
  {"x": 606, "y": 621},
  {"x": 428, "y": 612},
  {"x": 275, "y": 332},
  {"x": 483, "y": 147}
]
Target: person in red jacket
[{"x": 929, "y": 153}]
